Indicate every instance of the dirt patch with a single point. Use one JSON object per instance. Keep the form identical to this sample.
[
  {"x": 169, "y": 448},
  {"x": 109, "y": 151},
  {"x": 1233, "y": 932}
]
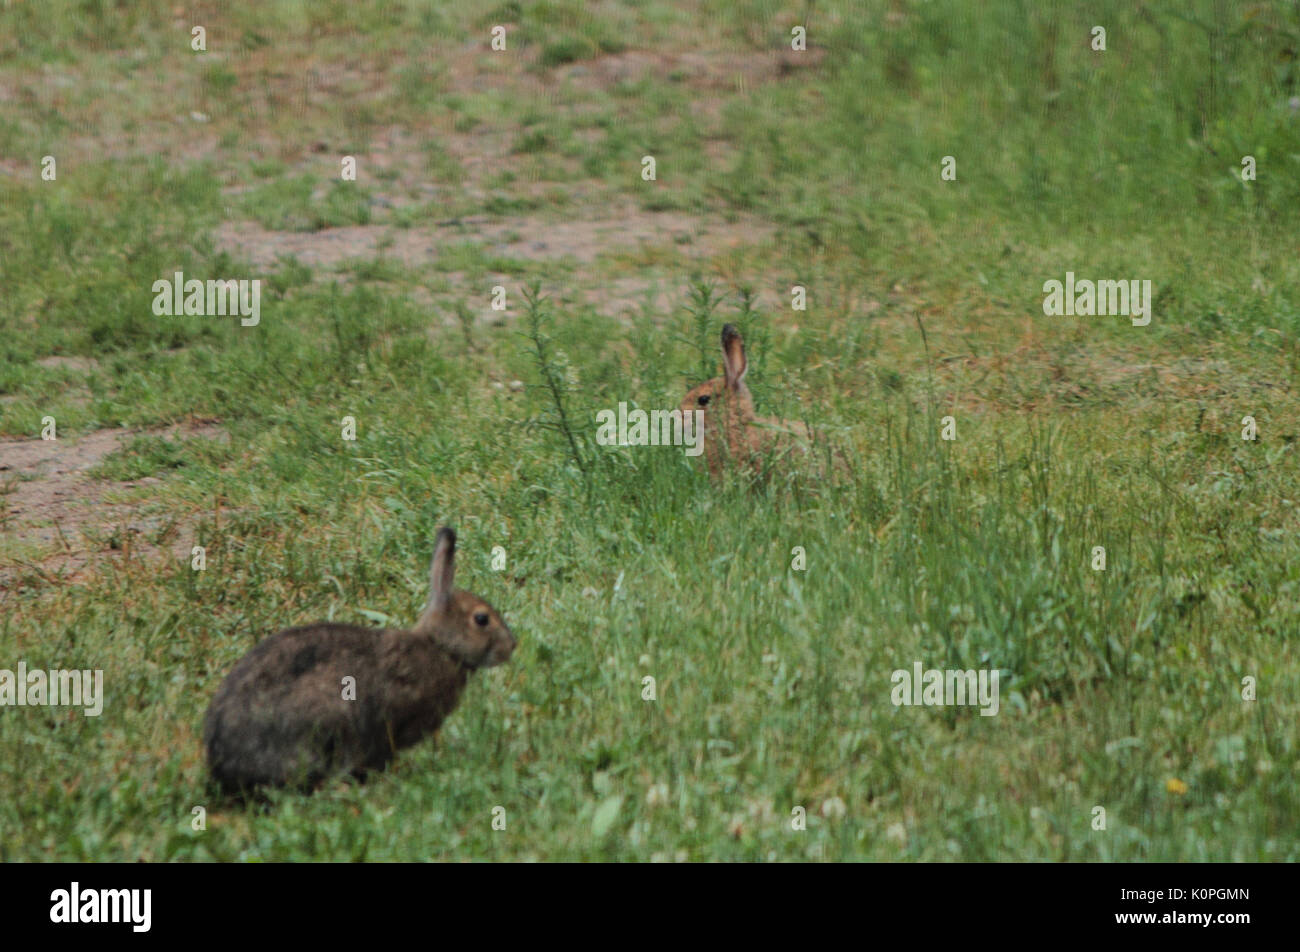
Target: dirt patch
[
  {"x": 529, "y": 238},
  {"x": 75, "y": 364},
  {"x": 627, "y": 298},
  {"x": 48, "y": 500},
  {"x": 732, "y": 70},
  {"x": 293, "y": 80}
]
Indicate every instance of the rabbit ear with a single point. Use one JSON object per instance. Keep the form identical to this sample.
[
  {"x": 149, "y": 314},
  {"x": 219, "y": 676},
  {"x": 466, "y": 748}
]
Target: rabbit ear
[
  {"x": 442, "y": 571},
  {"x": 734, "y": 363}
]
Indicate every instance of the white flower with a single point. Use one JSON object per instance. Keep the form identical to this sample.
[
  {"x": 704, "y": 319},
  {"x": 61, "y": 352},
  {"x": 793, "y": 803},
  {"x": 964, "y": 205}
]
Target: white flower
[{"x": 832, "y": 808}]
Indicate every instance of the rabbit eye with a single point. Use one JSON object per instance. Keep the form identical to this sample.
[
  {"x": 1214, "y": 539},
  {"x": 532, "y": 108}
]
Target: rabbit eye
[
  {"x": 703, "y": 399},
  {"x": 481, "y": 619}
]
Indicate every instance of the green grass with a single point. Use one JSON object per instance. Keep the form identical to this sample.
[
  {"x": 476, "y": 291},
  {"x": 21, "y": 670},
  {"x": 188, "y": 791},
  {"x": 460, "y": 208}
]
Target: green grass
[
  {"x": 1119, "y": 686},
  {"x": 290, "y": 205}
]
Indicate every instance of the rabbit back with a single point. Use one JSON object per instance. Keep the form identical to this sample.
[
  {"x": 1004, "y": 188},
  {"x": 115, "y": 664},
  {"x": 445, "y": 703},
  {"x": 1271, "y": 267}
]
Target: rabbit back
[{"x": 282, "y": 718}]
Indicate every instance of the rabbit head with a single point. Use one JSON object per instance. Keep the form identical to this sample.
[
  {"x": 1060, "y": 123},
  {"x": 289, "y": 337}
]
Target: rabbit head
[
  {"x": 727, "y": 406},
  {"x": 462, "y": 624}
]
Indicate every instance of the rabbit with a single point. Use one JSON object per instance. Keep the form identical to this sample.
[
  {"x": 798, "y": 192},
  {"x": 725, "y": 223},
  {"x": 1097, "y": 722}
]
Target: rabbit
[
  {"x": 285, "y": 717},
  {"x": 731, "y": 429}
]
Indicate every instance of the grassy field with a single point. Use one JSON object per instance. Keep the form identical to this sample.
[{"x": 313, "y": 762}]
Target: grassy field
[{"x": 1121, "y": 688}]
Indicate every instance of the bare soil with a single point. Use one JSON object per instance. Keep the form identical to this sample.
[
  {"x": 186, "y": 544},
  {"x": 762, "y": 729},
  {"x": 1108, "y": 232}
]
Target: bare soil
[{"x": 51, "y": 503}]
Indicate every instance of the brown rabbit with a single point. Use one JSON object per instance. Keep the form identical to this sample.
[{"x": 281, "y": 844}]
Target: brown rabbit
[
  {"x": 286, "y": 716},
  {"x": 732, "y": 430}
]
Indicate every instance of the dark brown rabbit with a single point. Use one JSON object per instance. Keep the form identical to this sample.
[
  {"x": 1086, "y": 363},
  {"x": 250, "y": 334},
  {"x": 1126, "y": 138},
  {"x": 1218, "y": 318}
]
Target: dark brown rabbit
[{"x": 285, "y": 716}]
